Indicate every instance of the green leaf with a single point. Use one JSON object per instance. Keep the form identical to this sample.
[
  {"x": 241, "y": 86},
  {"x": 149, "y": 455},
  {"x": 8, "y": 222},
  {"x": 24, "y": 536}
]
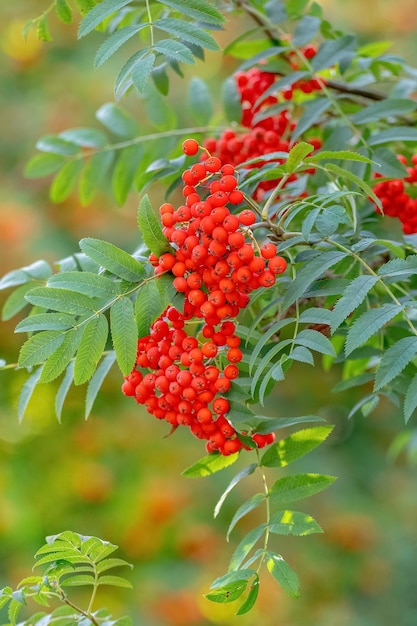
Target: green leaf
[
  {"x": 97, "y": 380},
  {"x": 245, "y": 546},
  {"x": 341, "y": 155},
  {"x": 315, "y": 341},
  {"x": 78, "y": 580},
  {"x": 62, "y": 300},
  {"x": 39, "y": 347},
  {"x": 158, "y": 110},
  {"x": 87, "y": 283},
  {"x": 174, "y": 50},
  {"x": 296, "y": 155},
  {"x": 57, "y": 145},
  {"x": 309, "y": 273},
  {"x": 301, "y": 354},
  {"x": 410, "y": 401},
  {"x": 148, "y": 307},
  {"x": 228, "y": 593},
  {"x": 45, "y": 321},
  {"x": 210, "y": 464},
  {"x": 231, "y": 100},
  {"x": 114, "y": 581},
  {"x": 231, "y": 577},
  {"x": 107, "y": 564},
  {"x": 332, "y": 51},
  {"x": 249, "y": 505},
  {"x": 115, "y": 41},
  {"x": 150, "y": 228},
  {"x": 275, "y": 328},
  {"x": 295, "y": 446},
  {"x": 199, "y": 10},
  {"x": 160, "y": 79},
  {"x": 313, "y": 111},
  {"x": 293, "y": 523},
  {"x": 346, "y": 174},
  {"x": 368, "y": 324},
  {"x": 94, "y": 173},
  {"x": 124, "y": 172},
  {"x": 113, "y": 259},
  {"x": 399, "y": 133},
  {"x": 385, "y": 108},
  {"x": 306, "y": 30},
  {"x": 42, "y": 30},
  {"x": 399, "y": 267},
  {"x": 63, "y": 390},
  {"x": 394, "y": 360},
  {"x": 387, "y": 164},
  {"x": 91, "y": 348},
  {"x": 352, "y": 297},
  {"x": 57, "y": 362},
  {"x": 63, "y": 11},
  {"x": 251, "y": 598},
  {"x": 187, "y": 31},
  {"x": 141, "y": 71},
  {"x": 200, "y": 101},
  {"x": 117, "y": 120},
  {"x": 354, "y": 381},
  {"x": 43, "y": 165},
  {"x": 16, "y": 301},
  {"x": 65, "y": 180},
  {"x": 283, "y": 574},
  {"x": 99, "y": 13},
  {"x": 124, "y": 334},
  {"x": 247, "y": 471},
  {"x": 298, "y": 486},
  {"x": 27, "y": 392}
]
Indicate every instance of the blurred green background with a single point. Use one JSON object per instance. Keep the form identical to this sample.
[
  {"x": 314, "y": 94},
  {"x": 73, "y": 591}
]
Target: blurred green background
[{"x": 116, "y": 476}]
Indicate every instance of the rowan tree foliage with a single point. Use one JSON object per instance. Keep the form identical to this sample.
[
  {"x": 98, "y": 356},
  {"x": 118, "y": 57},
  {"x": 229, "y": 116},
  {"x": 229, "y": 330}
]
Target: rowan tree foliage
[{"x": 287, "y": 235}]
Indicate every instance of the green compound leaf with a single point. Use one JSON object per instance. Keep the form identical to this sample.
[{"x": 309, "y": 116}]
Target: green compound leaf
[
  {"x": 113, "y": 259},
  {"x": 97, "y": 380},
  {"x": 148, "y": 306},
  {"x": 99, "y": 13},
  {"x": 368, "y": 324},
  {"x": 150, "y": 228},
  {"x": 298, "y": 486},
  {"x": 91, "y": 348},
  {"x": 39, "y": 347},
  {"x": 210, "y": 464},
  {"x": 187, "y": 31},
  {"x": 394, "y": 360},
  {"x": 252, "y": 503},
  {"x": 124, "y": 334},
  {"x": 295, "y": 446},
  {"x": 65, "y": 180},
  {"x": 57, "y": 362},
  {"x": 62, "y": 300},
  {"x": 283, "y": 574},
  {"x": 293, "y": 523},
  {"x": 199, "y": 10},
  {"x": 352, "y": 297}
]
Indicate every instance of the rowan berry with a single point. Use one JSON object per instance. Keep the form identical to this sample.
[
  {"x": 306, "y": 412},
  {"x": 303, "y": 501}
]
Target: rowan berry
[
  {"x": 268, "y": 250},
  {"x": 247, "y": 217},
  {"x": 231, "y": 372},
  {"x": 263, "y": 440},
  {"x": 213, "y": 164},
  {"x": 190, "y": 147},
  {"x": 231, "y": 446},
  {"x": 277, "y": 265}
]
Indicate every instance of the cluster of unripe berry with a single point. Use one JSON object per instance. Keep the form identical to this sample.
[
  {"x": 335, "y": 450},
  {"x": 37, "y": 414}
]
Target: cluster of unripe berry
[
  {"x": 267, "y": 132},
  {"x": 216, "y": 263},
  {"x": 395, "y": 199}
]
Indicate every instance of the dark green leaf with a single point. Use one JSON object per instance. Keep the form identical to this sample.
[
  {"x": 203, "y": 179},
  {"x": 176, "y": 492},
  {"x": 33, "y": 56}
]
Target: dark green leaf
[
  {"x": 295, "y": 446},
  {"x": 117, "y": 120},
  {"x": 123, "y": 80},
  {"x": 94, "y": 285},
  {"x": 231, "y": 100},
  {"x": 231, "y": 577},
  {"x": 251, "y": 598},
  {"x": 43, "y": 165},
  {"x": 65, "y": 180},
  {"x": 315, "y": 340},
  {"x": 91, "y": 348},
  {"x": 62, "y": 300},
  {"x": 57, "y": 362},
  {"x": 174, "y": 50},
  {"x": 265, "y": 425},
  {"x": 148, "y": 307},
  {"x": 399, "y": 133},
  {"x": 301, "y": 354},
  {"x": 387, "y": 164},
  {"x": 245, "y": 546},
  {"x": 410, "y": 401},
  {"x": 45, "y": 321},
  {"x": 141, "y": 71},
  {"x": 200, "y": 101},
  {"x": 124, "y": 334},
  {"x": 187, "y": 31},
  {"x": 94, "y": 173},
  {"x": 368, "y": 324},
  {"x": 313, "y": 111},
  {"x": 399, "y": 267},
  {"x": 394, "y": 360},
  {"x": 354, "y": 381},
  {"x": 383, "y": 109},
  {"x": 209, "y": 465},
  {"x": 199, "y": 10},
  {"x": 346, "y": 174},
  {"x": 332, "y": 51},
  {"x": 150, "y": 228},
  {"x": 293, "y": 523},
  {"x": 97, "y": 380},
  {"x": 99, "y": 13},
  {"x": 27, "y": 391},
  {"x": 249, "y": 505},
  {"x": 306, "y": 30},
  {"x": 247, "y": 471},
  {"x": 352, "y": 297},
  {"x": 115, "y": 41},
  {"x": 113, "y": 259},
  {"x": 283, "y": 574},
  {"x": 64, "y": 389},
  {"x": 298, "y": 486},
  {"x": 38, "y": 347}
]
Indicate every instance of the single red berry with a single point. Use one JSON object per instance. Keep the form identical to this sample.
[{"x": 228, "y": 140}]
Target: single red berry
[
  {"x": 277, "y": 265},
  {"x": 268, "y": 250},
  {"x": 247, "y": 217},
  {"x": 190, "y": 147}
]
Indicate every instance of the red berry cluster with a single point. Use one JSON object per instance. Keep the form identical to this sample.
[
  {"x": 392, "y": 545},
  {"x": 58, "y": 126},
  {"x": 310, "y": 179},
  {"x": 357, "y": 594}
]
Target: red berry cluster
[
  {"x": 268, "y": 133},
  {"x": 395, "y": 200},
  {"x": 216, "y": 265}
]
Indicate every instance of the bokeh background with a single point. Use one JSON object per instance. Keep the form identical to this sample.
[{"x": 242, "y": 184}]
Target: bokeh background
[{"x": 115, "y": 475}]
